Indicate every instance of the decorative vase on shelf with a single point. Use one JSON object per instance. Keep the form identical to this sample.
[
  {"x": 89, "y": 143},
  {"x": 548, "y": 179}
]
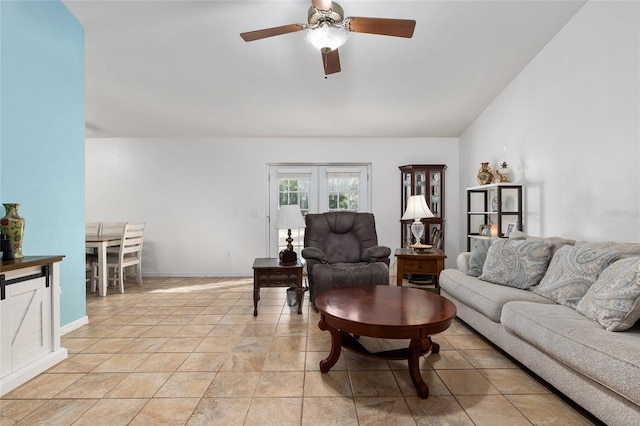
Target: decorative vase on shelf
[
  {"x": 485, "y": 174},
  {"x": 13, "y": 227}
]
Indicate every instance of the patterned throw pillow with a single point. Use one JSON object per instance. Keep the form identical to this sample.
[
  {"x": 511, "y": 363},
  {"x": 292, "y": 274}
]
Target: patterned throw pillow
[
  {"x": 614, "y": 299},
  {"x": 571, "y": 272},
  {"x": 625, "y": 249},
  {"x": 516, "y": 263}
]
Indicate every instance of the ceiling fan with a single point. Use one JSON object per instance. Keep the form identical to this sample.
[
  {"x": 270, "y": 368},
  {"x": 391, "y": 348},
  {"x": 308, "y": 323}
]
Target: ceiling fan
[{"x": 329, "y": 29}]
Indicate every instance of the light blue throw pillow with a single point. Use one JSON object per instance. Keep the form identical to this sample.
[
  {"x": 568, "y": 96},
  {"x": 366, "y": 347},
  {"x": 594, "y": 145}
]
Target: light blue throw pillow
[
  {"x": 571, "y": 272},
  {"x": 614, "y": 299},
  {"x": 478, "y": 256},
  {"x": 516, "y": 263}
]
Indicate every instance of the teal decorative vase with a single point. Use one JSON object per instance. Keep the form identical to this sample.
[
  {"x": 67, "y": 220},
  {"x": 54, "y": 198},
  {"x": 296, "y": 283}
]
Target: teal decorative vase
[{"x": 13, "y": 227}]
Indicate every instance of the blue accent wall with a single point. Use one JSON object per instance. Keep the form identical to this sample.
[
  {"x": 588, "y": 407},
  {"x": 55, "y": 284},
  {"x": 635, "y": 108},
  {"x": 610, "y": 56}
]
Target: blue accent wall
[{"x": 42, "y": 90}]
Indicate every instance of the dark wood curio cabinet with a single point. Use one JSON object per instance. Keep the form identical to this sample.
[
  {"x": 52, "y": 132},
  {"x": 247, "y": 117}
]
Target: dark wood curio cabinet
[{"x": 427, "y": 180}]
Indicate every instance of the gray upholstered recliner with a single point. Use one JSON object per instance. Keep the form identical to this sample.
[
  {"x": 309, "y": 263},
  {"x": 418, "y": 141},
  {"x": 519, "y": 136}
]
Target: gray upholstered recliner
[{"x": 341, "y": 250}]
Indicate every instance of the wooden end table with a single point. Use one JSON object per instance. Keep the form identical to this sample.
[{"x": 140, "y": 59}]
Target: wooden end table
[
  {"x": 269, "y": 272},
  {"x": 387, "y": 312},
  {"x": 430, "y": 262}
]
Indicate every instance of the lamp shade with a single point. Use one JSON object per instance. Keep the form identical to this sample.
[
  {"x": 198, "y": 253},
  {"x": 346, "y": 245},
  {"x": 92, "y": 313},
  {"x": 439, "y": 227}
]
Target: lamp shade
[
  {"x": 417, "y": 208},
  {"x": 290, "y": 217}
]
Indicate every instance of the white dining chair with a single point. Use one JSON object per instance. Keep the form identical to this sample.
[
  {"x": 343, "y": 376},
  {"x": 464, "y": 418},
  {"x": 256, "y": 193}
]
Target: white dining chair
[
  {"x": 112, "y": 228},
  {"x": 92, "y": 228},
  {"x": 129, "y": 254}
]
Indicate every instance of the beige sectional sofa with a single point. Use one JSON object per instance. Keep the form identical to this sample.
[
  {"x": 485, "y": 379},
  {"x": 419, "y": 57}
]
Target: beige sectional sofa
[{"x": 596, "y": 368}]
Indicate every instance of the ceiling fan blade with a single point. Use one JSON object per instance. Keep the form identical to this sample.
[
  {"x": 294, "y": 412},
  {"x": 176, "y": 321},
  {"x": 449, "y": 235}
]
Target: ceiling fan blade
[
  {"x": 383, "y": 26},
  {"x": 270, "y": 32},
  {"x": 331, "y": 61},
  {"x": 322, "y": 4}
]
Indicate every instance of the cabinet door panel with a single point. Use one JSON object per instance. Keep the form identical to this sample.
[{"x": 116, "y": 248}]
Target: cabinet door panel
[{"x": 29, "y": 334}]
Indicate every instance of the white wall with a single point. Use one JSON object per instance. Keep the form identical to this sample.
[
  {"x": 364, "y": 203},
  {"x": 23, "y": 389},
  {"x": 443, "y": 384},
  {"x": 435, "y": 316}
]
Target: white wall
[
  {"x": 186, "y": 192},
  {"x": 570, "y": 123}
]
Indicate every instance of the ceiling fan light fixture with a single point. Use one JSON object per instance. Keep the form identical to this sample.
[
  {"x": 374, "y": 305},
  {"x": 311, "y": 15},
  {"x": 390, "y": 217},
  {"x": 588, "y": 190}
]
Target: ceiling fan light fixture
[
  {"x": 328, "y": 29},
  {"x": 327, "y": 36}
]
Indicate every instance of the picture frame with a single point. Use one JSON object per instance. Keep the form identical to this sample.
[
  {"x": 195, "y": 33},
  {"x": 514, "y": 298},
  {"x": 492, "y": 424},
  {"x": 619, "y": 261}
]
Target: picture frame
[
  {"x": 510, "y": 228},
  {"x": 485, "y": 230}
]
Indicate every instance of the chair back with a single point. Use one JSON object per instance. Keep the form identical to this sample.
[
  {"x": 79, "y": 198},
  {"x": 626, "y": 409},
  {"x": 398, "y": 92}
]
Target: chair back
[
  {"x": 112, "y": 228},
  {"x": 92, "y": 228},
  {"x": 342, "y": 236},
  {"x": 131, "y": 245}
]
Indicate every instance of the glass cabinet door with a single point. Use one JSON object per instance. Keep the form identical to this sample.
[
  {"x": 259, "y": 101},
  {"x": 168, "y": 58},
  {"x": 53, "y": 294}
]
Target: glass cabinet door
[
  {"x": 435, "y": 178},
  {"x": 419, "y": 182},
  {"x": 406, "y": 190}
]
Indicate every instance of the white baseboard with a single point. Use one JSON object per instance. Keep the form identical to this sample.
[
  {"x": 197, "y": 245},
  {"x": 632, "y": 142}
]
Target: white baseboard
[
  {"x": 67, "y": 328},
  {"x": 31, "y": 370},
  {"x": 193, "y": 275}
]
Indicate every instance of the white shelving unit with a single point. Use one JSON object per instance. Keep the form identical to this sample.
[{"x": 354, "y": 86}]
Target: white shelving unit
[{"x": 496, "y": 203}]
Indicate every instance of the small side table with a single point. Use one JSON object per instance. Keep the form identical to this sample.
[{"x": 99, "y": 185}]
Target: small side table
[
  {"x": 269, "y": 272},
  {"x": 430, "y": 262}
]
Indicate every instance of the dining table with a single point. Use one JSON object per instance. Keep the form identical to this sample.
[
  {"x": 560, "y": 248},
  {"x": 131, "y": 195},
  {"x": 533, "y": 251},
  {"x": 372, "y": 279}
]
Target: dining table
[{"x": 100, "y": 243}]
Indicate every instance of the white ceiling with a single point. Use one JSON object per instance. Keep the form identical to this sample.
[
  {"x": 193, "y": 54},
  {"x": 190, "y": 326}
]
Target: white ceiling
[{"x": 180, "y": 69}]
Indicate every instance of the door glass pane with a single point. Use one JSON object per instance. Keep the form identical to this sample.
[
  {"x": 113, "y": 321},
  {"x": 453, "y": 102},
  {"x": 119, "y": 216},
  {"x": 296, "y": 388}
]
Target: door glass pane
[
  {"x": 343, "y": 191},
  {"x": 293, "y": 190}
]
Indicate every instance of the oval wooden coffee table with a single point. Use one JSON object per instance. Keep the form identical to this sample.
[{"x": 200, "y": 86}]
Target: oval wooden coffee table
[{"x": 387, "y": 312}]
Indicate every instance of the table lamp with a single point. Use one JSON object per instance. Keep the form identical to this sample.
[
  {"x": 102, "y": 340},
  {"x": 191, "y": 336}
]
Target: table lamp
[
  {"x": 417, "y": 209},
  {"x": 289, "y": 217}
]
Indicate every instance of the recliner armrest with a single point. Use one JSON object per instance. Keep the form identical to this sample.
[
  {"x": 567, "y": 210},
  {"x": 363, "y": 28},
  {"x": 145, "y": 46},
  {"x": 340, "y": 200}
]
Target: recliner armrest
[
  {"x": 313, "y": 253},
  {"x": 376, "y": 253}
]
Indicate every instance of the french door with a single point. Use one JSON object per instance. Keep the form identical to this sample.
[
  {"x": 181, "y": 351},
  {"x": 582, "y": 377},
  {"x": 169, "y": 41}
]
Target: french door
[{"x": 315, "y": 188}]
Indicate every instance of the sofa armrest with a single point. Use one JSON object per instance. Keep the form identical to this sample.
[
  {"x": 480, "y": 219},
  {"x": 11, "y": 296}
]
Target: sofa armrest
[
  {"x": 313, "y": 253},
  {"x": 463, "y": 261},
  {"x": 376, "y": 254}
]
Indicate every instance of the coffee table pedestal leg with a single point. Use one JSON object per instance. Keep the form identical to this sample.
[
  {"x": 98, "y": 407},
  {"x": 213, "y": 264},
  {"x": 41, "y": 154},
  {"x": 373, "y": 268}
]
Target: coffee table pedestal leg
[
  {"x": 336, "y": 347},
  {"x": 417, "y": 348}
]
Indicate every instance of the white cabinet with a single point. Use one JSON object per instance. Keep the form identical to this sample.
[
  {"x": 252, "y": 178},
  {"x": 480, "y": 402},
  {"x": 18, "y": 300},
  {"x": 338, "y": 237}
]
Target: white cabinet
[{"x": 29, "y": 319}]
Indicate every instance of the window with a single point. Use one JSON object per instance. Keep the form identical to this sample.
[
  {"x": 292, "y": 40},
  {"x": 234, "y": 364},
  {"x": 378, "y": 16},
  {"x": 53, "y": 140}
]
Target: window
[
  {"x": 294, "y": 190},
  {"x": 315, "y": 188},
  {"x": 342, "y": 189}
]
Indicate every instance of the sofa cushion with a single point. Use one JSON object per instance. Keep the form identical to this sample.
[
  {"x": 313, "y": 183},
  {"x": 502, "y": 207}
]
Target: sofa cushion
[
  {"x": 612, "y": 359},
  {"x": 484, "y": 297},
  {"x": 478, "y": 256},
  {"x": 625, "y": 249},
  {"x": 556, "y": 242},
  {"x": 571, "y": 272},
  {"x": 614, "y": 299},
  {"x": 516, "y": 263}
]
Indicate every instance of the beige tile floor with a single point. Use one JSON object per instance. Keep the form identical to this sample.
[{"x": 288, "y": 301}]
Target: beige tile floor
[{"x": 189, "y": 351}]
